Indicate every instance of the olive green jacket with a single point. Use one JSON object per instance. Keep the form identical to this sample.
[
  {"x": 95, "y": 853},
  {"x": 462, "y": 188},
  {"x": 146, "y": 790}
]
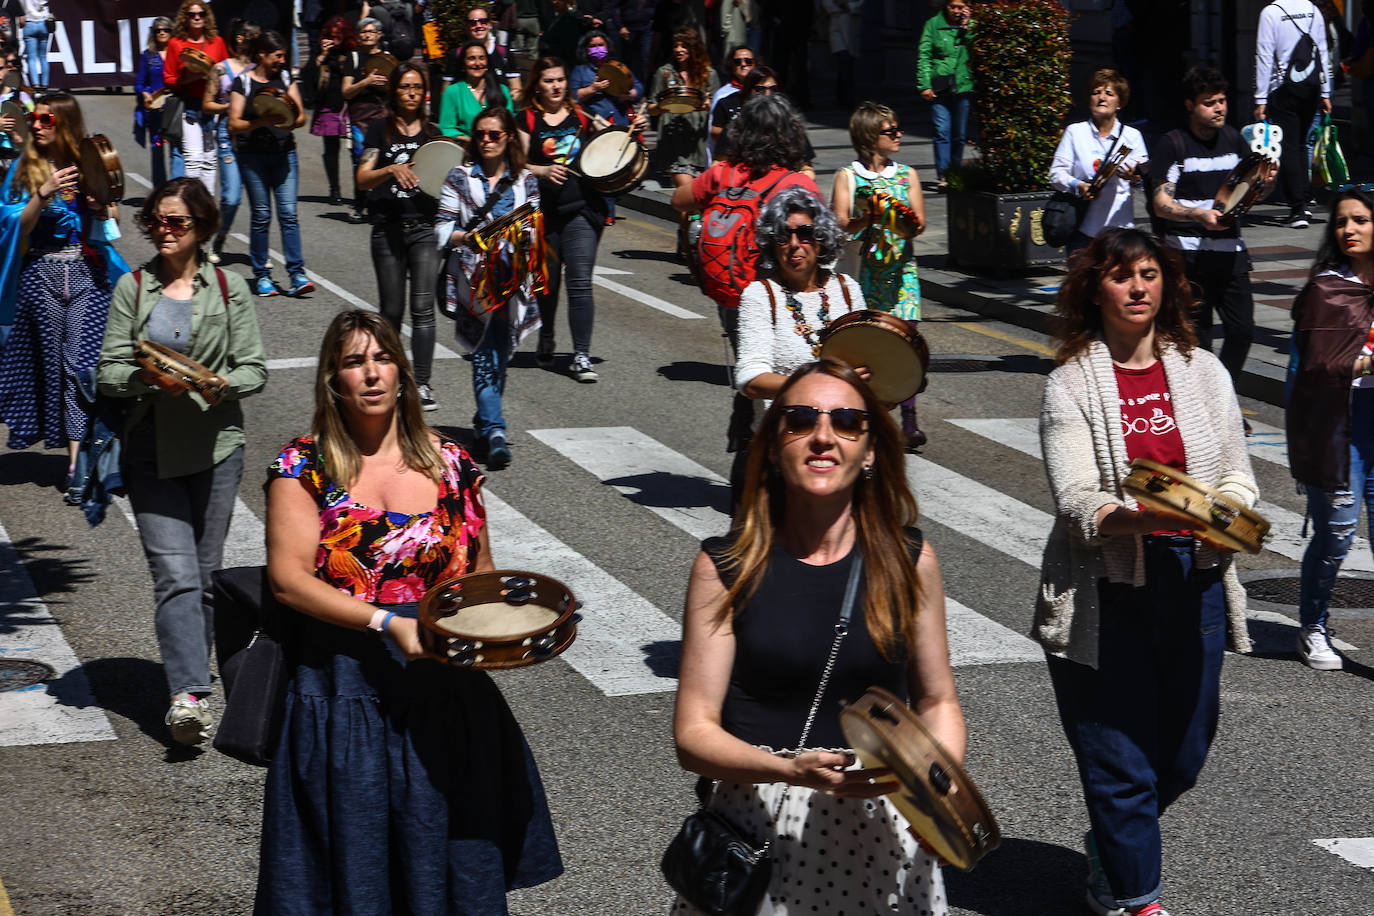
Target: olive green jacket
[
  {"x": 191, "y": 434},
  {"x": 944, "y": 51}
]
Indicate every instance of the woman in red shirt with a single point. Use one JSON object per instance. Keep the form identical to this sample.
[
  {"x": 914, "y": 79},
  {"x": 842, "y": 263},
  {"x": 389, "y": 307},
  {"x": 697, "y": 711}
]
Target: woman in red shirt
[{"x": 196, "y": 154}]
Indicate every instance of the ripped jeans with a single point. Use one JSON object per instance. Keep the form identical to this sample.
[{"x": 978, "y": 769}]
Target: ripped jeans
[{"x": 1336, "y": 515}]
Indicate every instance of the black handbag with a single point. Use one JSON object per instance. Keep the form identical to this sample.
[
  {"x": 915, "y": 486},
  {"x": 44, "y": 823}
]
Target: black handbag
[
  {"x": 710, "y": 863},
  {"x": 172, "y": 114},
  {"x": 252, "y": 631},
  {"x": 1062, "y": 217}
]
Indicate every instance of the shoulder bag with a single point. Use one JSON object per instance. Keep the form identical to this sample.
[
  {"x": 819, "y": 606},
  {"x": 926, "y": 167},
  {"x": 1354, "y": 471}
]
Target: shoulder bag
[
  {"x": 710, "y": 863},
  {"x": 1064, "y": 213}
]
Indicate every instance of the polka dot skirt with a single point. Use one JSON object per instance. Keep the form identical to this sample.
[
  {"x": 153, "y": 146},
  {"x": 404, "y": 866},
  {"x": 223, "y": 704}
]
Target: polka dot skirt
[{"x": 832, "y": 855}]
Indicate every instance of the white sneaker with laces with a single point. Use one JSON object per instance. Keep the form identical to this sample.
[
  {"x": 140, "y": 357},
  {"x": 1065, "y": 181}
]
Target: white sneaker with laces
[
  {"x": 582, "y": 368},
  {"x": 189, "y": 718},
  {"x": 427, "y": 401},
  {"x": 1314, "y": 648}
]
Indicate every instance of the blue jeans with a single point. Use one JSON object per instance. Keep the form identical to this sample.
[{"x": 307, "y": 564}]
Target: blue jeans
[
  {"x": 949, "y": 118},
  {"x": 572, "y": 243},
  {"x": 36, "y": 41},
  {"x": 183, "y": 522},
  {"x": 1141, "y": 724},
  {"x": 267, "y": 176},
  {"x": 489, "y": 374},
  {"x": 1336, "y": 514},
  {"x": 230, "y": 182}
]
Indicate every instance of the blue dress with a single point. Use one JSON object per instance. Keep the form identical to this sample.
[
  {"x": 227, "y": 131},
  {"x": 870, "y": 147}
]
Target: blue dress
[{"x": 396, "y": 787}]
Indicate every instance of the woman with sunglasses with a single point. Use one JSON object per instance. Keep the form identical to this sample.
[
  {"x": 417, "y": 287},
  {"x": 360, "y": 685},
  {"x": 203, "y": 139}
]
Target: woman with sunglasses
[
  {"x": 147, "y": 81},
  {"x": 183, "y": 453},
  {"x": 63, "y": 283},
  {"x": 366, "y": 92},
  {"x": 1133, "y": 609},
  {"x": 242, "y": 34},
  {"x": 825, "y": 491},
  {"x": 403, "y": 218},
  {"x": 197, "y": 153},
  {"x": 322, "y": 87},
  {"x": 492, "y": 183},
  {"x": 479, "y": 88},
  {"x": 268, "y": 164},
  {"x": 887, "y": 245}
]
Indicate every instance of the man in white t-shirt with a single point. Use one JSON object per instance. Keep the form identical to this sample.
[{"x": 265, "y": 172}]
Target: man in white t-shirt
[{"x": 1292, "y": 80}]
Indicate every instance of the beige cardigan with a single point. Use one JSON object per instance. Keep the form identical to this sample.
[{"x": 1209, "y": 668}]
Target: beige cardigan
[{"x": 1085, "y": 459}]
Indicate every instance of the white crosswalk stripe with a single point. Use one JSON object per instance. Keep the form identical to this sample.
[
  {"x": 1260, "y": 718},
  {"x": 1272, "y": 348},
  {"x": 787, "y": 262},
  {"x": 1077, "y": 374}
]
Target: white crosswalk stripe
[
  {"x": 672, "y": 486},
  {"x": 1357, "y": 851},
  {"x": 62, "y": 709}
]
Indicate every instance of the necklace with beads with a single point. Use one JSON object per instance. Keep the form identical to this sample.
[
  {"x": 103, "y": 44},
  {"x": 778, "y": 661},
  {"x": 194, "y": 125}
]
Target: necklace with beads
[{"x": 803, "y": 328}]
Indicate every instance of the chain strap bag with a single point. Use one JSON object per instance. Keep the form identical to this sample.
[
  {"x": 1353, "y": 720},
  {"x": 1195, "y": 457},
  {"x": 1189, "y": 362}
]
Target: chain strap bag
[{"x": 710, "y": 863}]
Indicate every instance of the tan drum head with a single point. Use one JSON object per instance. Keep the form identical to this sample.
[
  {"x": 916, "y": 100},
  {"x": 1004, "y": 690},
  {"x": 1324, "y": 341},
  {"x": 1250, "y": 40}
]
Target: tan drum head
[
  {"x": 382, "y": 63},
  {"x": 197, "y": 62},
  {"x": 618, "y": 76},
  {"x": 498, "y": 620},
  {"x": 434, "y": 160},
  {"x": 681, "y": 99},
  {"x": 613, "y": 160},
  {"x": 159, "y": 100},
  {"x": 280, "y": 108},
  {"x": 101, "y": 173},
  {"x": 896, "y": 367}
]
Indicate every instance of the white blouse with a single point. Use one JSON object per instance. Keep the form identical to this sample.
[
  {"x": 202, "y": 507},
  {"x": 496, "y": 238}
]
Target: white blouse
[
  {"x": 768, "y": 338},
  {"x": 1080, "y": 151}
]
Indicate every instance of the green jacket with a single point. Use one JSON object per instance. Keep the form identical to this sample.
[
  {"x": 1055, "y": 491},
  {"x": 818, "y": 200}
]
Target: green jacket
[
  {"x": 191, "y": 435},
  {"x": 944, "y": 51}
]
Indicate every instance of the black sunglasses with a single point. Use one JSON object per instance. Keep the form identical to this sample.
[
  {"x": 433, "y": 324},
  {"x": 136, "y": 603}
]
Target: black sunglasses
[
  {"x": 848, "y": 422},
  {"x": 744, "y": 61},
  {"x": 482, "y": 21},
  {"x": 893, "y": 132},
  {"x": 805, "y": 233}
]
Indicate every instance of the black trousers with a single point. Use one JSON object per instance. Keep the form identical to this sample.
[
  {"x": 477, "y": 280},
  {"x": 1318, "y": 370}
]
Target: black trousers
[
  {"x": 1292, "y": 112},
  {"x": 1221, "y": 287}
]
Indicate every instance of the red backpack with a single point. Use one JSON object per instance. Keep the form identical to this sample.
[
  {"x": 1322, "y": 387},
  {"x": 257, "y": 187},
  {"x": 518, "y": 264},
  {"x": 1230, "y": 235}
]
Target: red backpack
[{"x": 726, "y": 255}]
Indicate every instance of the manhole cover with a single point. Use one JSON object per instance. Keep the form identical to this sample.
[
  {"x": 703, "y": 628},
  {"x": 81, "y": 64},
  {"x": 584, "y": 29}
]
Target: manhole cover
[
  {"x": 16, "y": 674},
  {"x": 1349, "y": 593}
]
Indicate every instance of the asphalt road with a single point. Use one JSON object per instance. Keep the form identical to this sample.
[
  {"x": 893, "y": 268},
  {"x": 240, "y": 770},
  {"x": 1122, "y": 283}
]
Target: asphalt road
[{"x": 131, "y": 825}]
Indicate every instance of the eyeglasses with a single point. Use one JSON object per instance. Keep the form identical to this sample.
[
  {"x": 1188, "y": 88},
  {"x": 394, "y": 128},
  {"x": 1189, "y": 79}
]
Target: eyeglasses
[
  {"x": 847, "y": 422},
  {"x": 45, "y": 120},
  {"x": 805, "y": 233},
  {"x": 893, "y": 132},
  {"x": 489, "y": 135},
  {"x": 744, "y": 61},
  {"x": 370, "y": 31},
  {"x": 176, "y": 225},
  {"x": 483, "y": 21}
]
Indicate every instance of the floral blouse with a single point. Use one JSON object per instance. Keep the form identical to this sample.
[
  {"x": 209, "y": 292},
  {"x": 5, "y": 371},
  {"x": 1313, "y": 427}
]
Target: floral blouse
[{"x": 390, "y": 557}]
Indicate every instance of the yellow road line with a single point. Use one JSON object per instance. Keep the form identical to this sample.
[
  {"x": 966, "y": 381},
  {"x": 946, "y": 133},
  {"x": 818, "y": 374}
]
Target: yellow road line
[
  {"x": 5, "y": 908},
  {"x": 645, "y": 224},
  {"x": 1032, "y": 345}
]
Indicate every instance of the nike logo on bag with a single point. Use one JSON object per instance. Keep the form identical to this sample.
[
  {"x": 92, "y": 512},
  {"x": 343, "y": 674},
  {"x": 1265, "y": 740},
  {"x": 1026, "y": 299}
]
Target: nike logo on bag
[{"x": 1298, "y": 76}]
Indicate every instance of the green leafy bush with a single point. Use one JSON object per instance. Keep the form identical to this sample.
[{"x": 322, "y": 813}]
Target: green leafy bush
[
  {"x": 451, "y": 16},
  {"x": 1020, "y": 59}
]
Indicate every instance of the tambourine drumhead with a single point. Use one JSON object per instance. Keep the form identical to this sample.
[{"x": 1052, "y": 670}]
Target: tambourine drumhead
[
  {"x": 382, "y": 63},
  {"x": 159, "y": 100},
  {"x": 102, "y": 176},
  {"x": 21, "y": 119},
  {"x": 197, "y": 61},
  {"x": 1228, "y": 524},
  {"x": 434, "y": 160},
  {"x": 275, "y": 105},
  {"x": 681, "y": 99},
  {"x": 618, "y": 76},
  {"x": 897, "y": 356},
  {"x": 1241, "y": 188},
  {"x": 499, "y": 619},
  {"x": 937, "y": 797},
  {"x": 613, "y": 160}
]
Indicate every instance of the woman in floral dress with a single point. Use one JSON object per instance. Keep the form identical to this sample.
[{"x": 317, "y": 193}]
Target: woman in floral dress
[
  {"x": 399, "y": 784},
  {"x": 887, "y": 244}
]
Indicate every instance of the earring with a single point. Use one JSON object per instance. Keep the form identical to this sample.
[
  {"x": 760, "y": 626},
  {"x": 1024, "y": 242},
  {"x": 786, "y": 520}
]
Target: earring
[{"x": 868, "y": 472}]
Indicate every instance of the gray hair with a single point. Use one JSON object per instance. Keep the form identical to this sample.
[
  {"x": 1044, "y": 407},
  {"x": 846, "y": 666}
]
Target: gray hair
[
  {"x": 771, "y": 228},
  {"x": 368, "y": 22}
]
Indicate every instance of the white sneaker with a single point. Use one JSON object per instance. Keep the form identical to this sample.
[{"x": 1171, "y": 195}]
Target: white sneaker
[
  {"x": 427, "y": 401},
  {"x": 189, "y": 718},
  {"x": 582, "y": 368},
  {"x": 1314, "y": 648}
]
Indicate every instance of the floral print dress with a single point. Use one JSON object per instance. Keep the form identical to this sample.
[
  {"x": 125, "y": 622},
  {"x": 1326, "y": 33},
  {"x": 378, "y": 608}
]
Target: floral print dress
[
  {"x": 887, "y": 270},
  {"x": 396, "y": 787}
]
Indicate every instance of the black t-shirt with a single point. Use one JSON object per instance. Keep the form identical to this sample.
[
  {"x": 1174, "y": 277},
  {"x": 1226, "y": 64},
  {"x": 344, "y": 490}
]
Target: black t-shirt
[
  {"x": 725, "y": 111},
  {"x": 1198, "y": 168},
  {"x": 260, "y": 139},
  {"x": 330, "y": 95},
  {"x": 560, "y": 144},
  {"x": 368, "y": 105},
  {"x": 389, "y": 201}
]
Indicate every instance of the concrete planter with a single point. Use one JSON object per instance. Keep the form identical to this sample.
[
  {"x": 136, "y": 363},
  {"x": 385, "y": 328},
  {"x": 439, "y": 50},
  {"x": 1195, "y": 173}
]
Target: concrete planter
[{"x": 999, "y": 232}]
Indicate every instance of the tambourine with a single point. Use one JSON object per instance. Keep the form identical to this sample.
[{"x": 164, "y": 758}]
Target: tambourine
[
  {"x": 21, "y": 119},
  {"x": 937, "y": 797},
  {"x": 504, "y": 618},
  {"x": 196, "y": 62},
  {"x": 613, "y": 161},
  {"x": 158, "y": 100},
  {"x": 274, "y": 104},
  {"x": 618, "y": 76},
  {"x": 381, "y": 62},
  {"x": 893, "y": 351},
  {"x": 681, "y": 99},
  {"x": 1242, "y": 188},
  {"x": 1227, "y": 523},
  {"x": 102, "y": 176},
  {"x": 434, "y": 160},
  {"x": 176, "y": 370}
]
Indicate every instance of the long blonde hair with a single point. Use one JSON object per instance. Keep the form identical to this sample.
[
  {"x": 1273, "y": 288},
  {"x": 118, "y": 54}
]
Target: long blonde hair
[
  {"x": 34, "y": 168},
  {"x": 883, "y": 506},
  {"x": 342, "y": 460}
]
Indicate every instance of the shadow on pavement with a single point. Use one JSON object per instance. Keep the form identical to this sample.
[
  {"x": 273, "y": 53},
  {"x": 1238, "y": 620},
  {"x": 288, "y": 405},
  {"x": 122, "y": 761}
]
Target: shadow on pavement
[
  {"x": 674, "y": 491},
  {"x": 42, "y": 469},
  {"x": 696, "y": 371},
  {"x": 663, "y": 657},
  {"x": 136, "y": 689},
  {"x": 1014, "y": 880},
  {"x": 52, "y": 569}
]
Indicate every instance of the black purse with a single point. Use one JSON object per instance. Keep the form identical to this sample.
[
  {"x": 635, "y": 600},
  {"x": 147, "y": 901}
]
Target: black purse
[
  {"x": 710, "y": 863},
  {"x": 1064, "y": 213},
  {"x": 252, "y": 632}
]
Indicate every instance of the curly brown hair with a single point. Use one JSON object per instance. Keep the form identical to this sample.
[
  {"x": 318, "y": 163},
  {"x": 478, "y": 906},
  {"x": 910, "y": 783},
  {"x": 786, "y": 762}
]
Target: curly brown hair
[
  {"x": 182, "y": 29},
  {"x": 1078, "y": 317},
  {"x": 698, "y": 60}
]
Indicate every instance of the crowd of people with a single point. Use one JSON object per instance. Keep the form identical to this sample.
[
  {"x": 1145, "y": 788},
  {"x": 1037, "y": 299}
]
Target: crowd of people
[{"x": 400, "y": 783}]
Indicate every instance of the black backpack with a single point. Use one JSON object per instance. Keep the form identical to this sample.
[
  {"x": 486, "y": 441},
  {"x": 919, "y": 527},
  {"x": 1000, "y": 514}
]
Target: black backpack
[
  {"x": 398, "y": 27},
  {"x": 1304, "y": 66}
]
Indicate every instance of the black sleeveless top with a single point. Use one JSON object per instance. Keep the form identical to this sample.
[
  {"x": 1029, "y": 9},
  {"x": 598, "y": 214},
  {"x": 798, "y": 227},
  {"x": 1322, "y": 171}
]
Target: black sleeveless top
[{"x": 782, "y": 639}]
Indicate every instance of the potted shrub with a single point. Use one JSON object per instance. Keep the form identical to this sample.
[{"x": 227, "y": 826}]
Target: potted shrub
[{"x": 1020, "y": 58}]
